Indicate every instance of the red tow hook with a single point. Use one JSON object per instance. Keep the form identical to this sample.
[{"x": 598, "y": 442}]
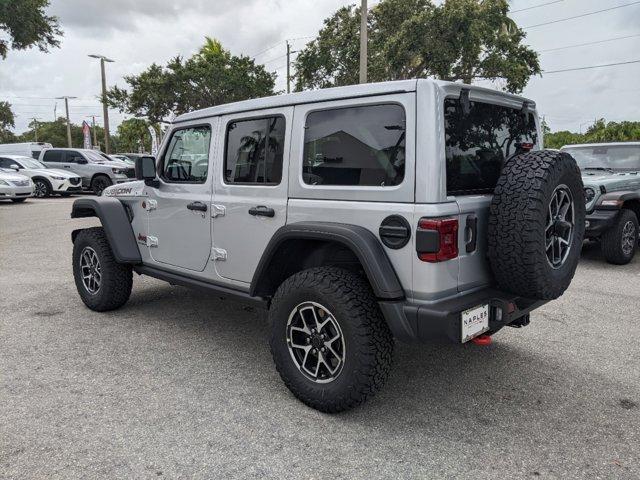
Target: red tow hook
[{"x": 482, "y": 340}]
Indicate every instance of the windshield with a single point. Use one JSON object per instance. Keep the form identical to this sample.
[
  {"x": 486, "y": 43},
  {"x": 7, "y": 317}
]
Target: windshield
[
  {"x": 603, "y": 157},
  {"x": 27, "y": 162},
  {"x": 94, "y": 156}
]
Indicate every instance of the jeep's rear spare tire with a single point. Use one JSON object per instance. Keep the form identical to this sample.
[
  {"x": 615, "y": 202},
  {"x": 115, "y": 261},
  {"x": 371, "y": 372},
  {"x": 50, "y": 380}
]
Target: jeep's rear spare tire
[{"x": 536, "y": 224}]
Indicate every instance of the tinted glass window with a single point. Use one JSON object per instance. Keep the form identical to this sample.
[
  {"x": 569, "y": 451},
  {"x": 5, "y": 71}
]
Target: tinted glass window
[
  {"x": 7, "y": 162},
  {"x": 187, "y": 156},
  {"x": 53, "y": 156},
  {"x": 355, "y": 146},
  {"x": 73, "y": 157},
  {"x": 254, "y": 151},
  {"x": 479, "y": 141},
  {"x": 35, "y": 154}
]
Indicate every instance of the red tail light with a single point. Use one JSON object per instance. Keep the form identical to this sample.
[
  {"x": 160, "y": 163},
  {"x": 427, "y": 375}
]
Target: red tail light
[{"x": 437, "y": 239}]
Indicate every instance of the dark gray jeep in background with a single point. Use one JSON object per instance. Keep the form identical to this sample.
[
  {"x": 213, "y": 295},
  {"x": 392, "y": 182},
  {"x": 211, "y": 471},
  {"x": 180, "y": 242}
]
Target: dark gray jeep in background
[{"x": 611, "y": 177}]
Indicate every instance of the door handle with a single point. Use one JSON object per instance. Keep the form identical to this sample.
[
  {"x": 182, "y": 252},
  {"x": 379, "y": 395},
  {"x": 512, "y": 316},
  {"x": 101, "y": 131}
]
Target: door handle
[
  {"x": 67, "y": 166},
  {"x": 472, "y": 228},
  {"x": 262, "y": 211},
  {"x": 199, "y": 206}
]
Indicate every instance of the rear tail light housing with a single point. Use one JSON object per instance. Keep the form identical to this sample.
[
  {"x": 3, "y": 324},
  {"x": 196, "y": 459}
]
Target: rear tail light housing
[{"x": 437, "y": 239}]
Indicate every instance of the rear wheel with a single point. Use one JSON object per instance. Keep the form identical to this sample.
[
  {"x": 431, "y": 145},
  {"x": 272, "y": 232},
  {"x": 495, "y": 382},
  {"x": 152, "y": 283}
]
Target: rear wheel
[
  {"x": 42, "y": 188},
  {"x": 103, "y": 283},
  {"x": 619, "y": 243},
  {"x": 329, "y": 341},
  {"x": 99, "y": 183}
]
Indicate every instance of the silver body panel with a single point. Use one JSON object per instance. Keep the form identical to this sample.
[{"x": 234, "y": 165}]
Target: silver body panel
[{"x": 188, "y": 241}]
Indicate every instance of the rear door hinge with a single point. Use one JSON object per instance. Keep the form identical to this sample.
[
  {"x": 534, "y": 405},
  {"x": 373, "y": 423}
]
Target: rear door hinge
[
  {"x": 152, "y": 241},
  {"x": 150, "y": 204},
  {"x": 218, "y": 210},
  {"x": 218, "y": 254}
]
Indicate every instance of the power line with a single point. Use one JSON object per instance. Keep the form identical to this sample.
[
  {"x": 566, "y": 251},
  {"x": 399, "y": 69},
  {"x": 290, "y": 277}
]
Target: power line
[
  {"x": 266, "y": 50},
  {"x": 536, "y": 6},
  {"x": 590, "y": 43},
  {"x": 582, "y": 15},
  {"x": 590, "y": 67}
]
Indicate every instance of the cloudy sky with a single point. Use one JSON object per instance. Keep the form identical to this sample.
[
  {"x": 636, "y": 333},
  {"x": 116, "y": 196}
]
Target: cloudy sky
[{"x": 136, "y": 33}]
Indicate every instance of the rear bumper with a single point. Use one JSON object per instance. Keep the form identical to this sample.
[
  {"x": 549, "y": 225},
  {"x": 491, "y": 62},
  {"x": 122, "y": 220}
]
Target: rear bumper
[
  {"x": 441, "y": 320},
  {"x": 11, "y": 192},
  {"x": 599, "y": 221}
]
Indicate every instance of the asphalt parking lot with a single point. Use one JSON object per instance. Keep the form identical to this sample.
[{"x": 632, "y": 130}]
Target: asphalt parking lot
[{"x": 178, "y": 384}]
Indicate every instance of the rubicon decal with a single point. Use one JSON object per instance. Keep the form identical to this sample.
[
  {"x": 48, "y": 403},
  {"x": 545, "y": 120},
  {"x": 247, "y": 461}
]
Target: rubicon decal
[{"x": 118, "y": 191}]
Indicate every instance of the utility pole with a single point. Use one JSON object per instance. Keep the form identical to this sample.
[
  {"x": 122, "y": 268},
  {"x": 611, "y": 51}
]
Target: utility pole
[
  {"x": 35, "y": 128},
  {"x": 105, "y": 110},
  {"x": 66, "y": 107},
  {"x": 289, "y": 52},
  {"x": 363, "y": 41},
  {"x": 288, "y": 67},
  {"x": 93, "y": 127}
]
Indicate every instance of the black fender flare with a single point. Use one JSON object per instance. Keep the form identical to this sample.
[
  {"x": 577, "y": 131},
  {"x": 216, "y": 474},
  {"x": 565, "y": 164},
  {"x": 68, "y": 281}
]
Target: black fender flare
[
  {"x": 619, "y": 197},
  {"x": 362, "y": 242},
  {"x": 116, "y": 224}
]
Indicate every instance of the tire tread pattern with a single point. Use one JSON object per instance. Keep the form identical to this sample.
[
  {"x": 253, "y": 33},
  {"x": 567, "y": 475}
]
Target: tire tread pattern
[
  {"x": 517, "y": 221},
  {"x": 117, "y": 279},
  {"x": 372, "y": 342}
]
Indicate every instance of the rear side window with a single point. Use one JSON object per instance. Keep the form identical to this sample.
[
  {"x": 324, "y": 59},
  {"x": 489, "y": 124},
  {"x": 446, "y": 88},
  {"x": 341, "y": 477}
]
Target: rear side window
[
  {"x": 362, "y": 146},
  {"x": 35, "y": 154},
  {"x": 52, "y": 156},
  {"x": 254, "y": 151},
  {"x": 187, "y": 156},
  {"x": 479, "y": 142},
  {"x": 73, "y": 157}
]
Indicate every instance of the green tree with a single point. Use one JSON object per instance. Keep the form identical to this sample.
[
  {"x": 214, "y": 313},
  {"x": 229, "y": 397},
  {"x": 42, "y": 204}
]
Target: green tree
[
  {"x": 24, "y": 24},
  {"x": 7, "y": 122},
  {"x": 600, "y": 132},
  {"x": 456, "y": 40},
  {"x": 133, "y": 134},
  {"x": 55, "y": 133},
  {"x": 210, "y": 77}
]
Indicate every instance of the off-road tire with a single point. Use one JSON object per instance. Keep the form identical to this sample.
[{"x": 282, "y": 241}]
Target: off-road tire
[
  {"x": 99, "y": 183},
  {"x": 44, "y": 185},
  {"x": 611, "y": 240},
  {"x": 368, "y": 340},
  {"x": 518, "y": 219},
  {"x": 18, "y": 200},
  {"x": 117, "y": 279}
]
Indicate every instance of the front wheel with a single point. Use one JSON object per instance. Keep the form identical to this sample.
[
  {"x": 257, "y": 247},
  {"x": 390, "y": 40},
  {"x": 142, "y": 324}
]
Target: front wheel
[
  {"x": 620, "y": 241},
  {"x": 41, "y": 189},
  {"x": 100, "y": 183},
  {"x": 103, "y": 283},
  {"x": 329, "y": 341}
]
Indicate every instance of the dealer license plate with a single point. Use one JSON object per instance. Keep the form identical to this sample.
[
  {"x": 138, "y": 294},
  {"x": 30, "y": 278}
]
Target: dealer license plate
[{"x": 475, "y": 321}]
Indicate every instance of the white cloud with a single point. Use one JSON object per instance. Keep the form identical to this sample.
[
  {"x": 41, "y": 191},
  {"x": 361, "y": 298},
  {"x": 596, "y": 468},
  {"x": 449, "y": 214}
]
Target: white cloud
[{"x": 137, "y": 33}]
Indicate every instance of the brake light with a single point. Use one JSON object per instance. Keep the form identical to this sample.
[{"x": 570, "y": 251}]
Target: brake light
[
  {"x": 437, "y": 239},
  {"x": 527, "y": 147}
]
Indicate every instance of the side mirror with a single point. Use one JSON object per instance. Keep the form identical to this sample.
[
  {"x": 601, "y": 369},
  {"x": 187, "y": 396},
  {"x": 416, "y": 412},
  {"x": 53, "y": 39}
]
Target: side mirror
[
  {"x": 146, "y": 170},
  {"x": 81, "y": 161},
  {"x": 15, "y": 167}
]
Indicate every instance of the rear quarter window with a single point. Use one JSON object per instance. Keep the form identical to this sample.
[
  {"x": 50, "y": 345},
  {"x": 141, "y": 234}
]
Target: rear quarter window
[
  {"x": 479, "y": 141},
  {"x": 52, "y": 156}
]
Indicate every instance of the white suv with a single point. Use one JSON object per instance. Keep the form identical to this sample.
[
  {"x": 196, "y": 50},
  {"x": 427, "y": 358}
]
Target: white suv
[
  {"x": 47, "y": 181},
  {"x": 417, "y": 209}
]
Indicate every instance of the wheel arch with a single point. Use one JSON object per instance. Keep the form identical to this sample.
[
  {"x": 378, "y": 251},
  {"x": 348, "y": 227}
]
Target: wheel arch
[
  {"x": 45, "y": 179},
  {"x": 99, "y": 174},
  {"x": 116, "y": 224},
  {"x": 298, "y": 246}
]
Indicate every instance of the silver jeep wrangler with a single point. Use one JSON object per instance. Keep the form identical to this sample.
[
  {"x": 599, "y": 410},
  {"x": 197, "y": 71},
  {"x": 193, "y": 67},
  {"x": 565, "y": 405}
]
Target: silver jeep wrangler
[{"x": 418, "y": 209}]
